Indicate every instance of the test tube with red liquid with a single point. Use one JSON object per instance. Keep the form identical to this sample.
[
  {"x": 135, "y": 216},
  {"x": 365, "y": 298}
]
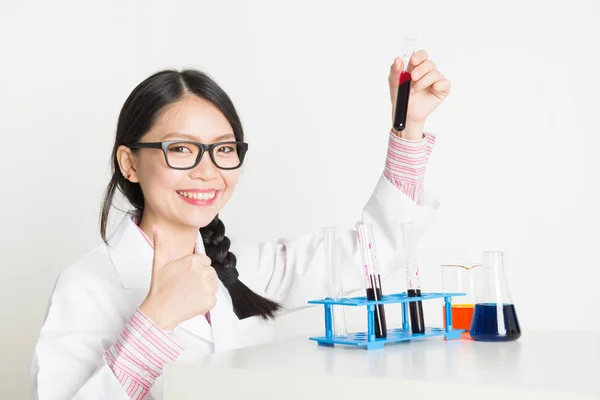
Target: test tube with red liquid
[
  {"x": 404, "y": 81},
  {"x": 364, "y": 231},
  {"x": 413, "y": 284}
]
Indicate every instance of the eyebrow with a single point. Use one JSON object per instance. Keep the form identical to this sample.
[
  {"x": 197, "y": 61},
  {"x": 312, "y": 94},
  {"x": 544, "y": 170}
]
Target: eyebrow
[{"x": 195, "y": 139}]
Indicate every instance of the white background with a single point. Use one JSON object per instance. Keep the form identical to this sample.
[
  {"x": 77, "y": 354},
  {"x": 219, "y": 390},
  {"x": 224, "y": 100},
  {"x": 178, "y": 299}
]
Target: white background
[{"x": 513, "y": 167}]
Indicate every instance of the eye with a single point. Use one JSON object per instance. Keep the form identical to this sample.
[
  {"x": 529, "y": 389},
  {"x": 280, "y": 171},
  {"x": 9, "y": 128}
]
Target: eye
[
  {"x": 179, "y": 149},
  {"x": 227, "y": 149}
]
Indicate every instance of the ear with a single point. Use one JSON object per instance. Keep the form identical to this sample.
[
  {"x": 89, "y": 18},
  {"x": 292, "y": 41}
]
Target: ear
[{"x": 126, "y": 160}]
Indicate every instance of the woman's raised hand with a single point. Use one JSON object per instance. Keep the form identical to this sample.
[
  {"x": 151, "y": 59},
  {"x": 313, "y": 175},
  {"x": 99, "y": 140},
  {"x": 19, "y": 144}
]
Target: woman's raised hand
[{"x": 429, "y": 88}]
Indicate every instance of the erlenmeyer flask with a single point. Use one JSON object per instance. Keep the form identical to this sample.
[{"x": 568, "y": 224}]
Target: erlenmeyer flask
[{"x": 495, "y": 316}]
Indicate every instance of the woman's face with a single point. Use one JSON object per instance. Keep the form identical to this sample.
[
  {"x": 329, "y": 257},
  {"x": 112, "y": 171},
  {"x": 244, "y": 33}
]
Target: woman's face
[{"x": 184, "y": 197}]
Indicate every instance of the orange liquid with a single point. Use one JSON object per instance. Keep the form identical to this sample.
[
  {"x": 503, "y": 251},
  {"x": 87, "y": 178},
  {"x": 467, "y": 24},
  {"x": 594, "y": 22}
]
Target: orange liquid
[{"x": 462, "y": 314}]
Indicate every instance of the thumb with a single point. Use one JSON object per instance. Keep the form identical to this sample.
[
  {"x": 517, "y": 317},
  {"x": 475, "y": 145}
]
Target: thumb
[
  {"x": 395, "y": 69},
  {"x": 161, "y": 255}
]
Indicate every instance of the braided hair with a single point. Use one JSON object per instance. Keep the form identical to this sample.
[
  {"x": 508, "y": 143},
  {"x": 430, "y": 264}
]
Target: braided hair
[
  {"x": 246, "y": 303},
  {"x": 137, "y": 116}
]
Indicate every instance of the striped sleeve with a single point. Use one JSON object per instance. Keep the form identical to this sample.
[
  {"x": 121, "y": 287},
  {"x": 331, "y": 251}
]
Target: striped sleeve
[
  {"x": 406, "y": 163},
  {"x": 138, "y": 356}
]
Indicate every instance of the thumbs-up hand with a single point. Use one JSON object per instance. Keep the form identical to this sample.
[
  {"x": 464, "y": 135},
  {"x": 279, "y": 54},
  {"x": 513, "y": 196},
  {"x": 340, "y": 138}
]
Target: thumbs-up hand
[{"x": 180, "y": 289}]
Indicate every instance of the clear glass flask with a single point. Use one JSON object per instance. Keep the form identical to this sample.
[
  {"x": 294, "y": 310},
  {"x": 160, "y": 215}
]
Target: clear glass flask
[
  {"x": 459, "y": 278},
  {"x": 495, "y": 317},
  {"x": 336, "y": 290}
]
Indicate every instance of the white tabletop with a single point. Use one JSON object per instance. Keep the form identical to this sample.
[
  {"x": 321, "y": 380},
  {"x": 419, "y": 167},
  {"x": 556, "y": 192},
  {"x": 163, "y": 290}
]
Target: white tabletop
[{"x": 539, "y": 365}]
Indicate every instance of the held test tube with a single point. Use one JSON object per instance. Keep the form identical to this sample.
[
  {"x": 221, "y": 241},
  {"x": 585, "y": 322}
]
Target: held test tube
[
  {"x": 413, "y": 286},
  {"x": 364, "y": 231},
  {"x": 404, "y": 81}
]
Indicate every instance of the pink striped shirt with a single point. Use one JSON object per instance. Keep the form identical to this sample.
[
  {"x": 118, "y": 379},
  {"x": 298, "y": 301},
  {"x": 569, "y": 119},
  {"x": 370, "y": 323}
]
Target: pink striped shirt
[
  {"x": 138, "y": 356},
  {"x": 142, "y": 349},
  {"x": 406, "y": 163}
]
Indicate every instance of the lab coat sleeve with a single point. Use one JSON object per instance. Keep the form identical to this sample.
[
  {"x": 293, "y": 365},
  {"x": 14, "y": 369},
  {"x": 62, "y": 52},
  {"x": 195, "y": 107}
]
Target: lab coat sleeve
[
  {"x": 68, "y": 360},
  {"x": 293, "y": 271}
]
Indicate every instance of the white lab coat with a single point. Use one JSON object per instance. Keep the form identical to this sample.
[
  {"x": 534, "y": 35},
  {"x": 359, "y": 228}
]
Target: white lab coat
[{"x": 94, "y": 298}]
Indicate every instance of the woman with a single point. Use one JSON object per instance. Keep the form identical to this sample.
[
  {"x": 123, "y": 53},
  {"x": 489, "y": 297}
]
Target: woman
[{"x": 168, "y": 284}]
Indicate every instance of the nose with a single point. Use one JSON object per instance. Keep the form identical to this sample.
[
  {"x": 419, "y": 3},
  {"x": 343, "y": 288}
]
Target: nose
[{"x": 205, "y": 170}]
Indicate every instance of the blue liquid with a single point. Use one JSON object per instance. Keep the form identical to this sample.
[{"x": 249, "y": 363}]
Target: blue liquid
[{"x": 495, "y": 323}]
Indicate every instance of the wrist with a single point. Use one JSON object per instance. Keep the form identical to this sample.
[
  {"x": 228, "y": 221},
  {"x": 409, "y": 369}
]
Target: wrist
[
  {"x": 153, "y": 312},
  {"x": 413, "y": 131}
]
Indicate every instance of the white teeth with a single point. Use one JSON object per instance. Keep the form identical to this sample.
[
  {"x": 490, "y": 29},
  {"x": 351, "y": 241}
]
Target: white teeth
[{"x": 198, "y": 196}]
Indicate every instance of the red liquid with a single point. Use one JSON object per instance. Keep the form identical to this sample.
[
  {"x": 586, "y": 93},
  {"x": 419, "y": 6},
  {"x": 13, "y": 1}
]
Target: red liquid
[
  {"x": 402, "y": 101},
  {"x": 374, "y": 293},
  {"x": 417, "y": 322}
]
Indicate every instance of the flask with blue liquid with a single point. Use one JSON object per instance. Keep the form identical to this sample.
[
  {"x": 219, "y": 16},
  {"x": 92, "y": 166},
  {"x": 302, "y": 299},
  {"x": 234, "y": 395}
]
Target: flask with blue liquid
[{"x": 494, "y": 317}]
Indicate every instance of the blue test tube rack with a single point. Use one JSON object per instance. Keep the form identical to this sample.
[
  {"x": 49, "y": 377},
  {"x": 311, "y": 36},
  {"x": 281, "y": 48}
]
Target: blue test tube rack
[{"x": 367, "y": 339}]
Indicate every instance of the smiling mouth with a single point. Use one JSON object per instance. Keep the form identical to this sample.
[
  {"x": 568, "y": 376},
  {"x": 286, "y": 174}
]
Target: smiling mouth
[{"x": 198, "y": 195}]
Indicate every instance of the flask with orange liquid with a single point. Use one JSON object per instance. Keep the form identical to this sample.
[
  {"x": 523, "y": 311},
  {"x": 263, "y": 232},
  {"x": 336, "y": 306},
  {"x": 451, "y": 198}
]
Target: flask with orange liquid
[{"x": 458, "y": 278}]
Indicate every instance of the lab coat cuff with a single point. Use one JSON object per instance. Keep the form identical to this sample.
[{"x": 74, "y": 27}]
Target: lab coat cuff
[{"x": 398, "y": 206}]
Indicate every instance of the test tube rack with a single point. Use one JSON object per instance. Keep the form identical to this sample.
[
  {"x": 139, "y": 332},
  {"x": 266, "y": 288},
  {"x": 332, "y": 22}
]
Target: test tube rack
[{"x": 367, "y": 339}]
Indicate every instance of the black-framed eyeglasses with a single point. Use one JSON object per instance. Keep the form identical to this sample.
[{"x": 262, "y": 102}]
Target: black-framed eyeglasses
[{"x": 185, "y": 154}]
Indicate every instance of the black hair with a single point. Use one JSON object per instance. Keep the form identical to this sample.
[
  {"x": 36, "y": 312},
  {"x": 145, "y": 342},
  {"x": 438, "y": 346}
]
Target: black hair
[{"x": 138, "y": 114}]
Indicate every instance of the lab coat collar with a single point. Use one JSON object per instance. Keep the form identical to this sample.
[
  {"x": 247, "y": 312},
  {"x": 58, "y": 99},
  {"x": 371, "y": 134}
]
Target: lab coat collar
[{"x": 132, "y": 255}]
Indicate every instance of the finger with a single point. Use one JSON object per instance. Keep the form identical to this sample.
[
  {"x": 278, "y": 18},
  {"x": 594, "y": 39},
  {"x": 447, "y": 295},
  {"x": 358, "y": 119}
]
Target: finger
[
  {"x": 161, "y": 255},
  {"x": 428, "y": 80},
  {"x": 441, "y": 88},
  {"x": 211, "y": 273},
  {"x": 422, "y": 69},
  {"x": 206, "y": 274},
  {"x": 201, "y": 260},
  {"x": 196, "y": 261},
  {"x": 209, "y": 287},
  {"x": 418, "y": 58},
  {"x": 395, "y": 69}
]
